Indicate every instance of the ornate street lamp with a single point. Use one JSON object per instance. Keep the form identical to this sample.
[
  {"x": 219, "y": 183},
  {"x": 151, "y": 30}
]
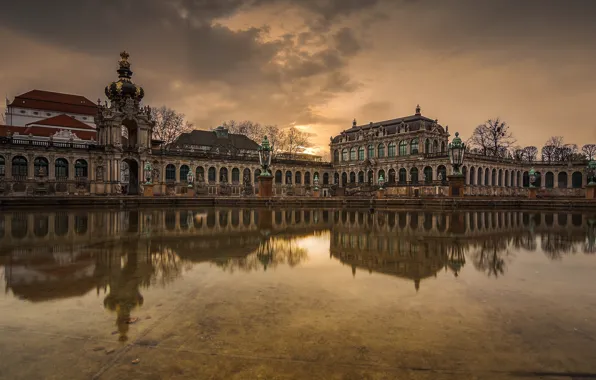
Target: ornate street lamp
[
  {"x": 381, "y": 181},
  {"x": 148, "y": 173},
  {"x": 532, "y": 175},
  {"x": 265, "y": 158},
  {"x": 190, "y": 179},
  {"x": 316, "y": 182},
  {"x": 457, "y": 150},
  {"x": 591, "y": 171}
]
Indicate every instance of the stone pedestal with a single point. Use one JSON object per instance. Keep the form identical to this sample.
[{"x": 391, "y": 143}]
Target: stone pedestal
[
  {"x": 457, "y": 183},
  {"x": 148, "y": 190},
  {"x": 265, "y": 186},
  {"x": 316, "y": 193},
  {"x": 532, "y": 192},
  {"x": 591, "y": 192},
  {"x": 190, "y": 192},
  {"x": 380, "y": 194}
]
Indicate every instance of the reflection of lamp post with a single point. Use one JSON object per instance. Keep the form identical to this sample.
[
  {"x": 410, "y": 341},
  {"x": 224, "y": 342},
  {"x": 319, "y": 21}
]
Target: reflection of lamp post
[
  {"x": 265, "y": 178},
  {"x": 456, "y": 258},
  {"x": 457, "y": 180}
]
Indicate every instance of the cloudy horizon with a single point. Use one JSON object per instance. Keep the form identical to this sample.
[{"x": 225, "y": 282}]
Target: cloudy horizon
[{"x": 318, "y": 64}]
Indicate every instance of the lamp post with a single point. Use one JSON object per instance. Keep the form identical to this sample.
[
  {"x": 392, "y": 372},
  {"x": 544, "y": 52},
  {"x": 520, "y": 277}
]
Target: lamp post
[
  {"x": 147, "y": 189},
  {"x": 381, "y": 181},
  {"x": 265, "y": 178},
  {"x": 532, "y": 177},
  {"x": 457, "y": 150},
  {"x": 591, "y": 187},
  {"x": 148, "y": 173},
  {"x": 457, "y": 180}
]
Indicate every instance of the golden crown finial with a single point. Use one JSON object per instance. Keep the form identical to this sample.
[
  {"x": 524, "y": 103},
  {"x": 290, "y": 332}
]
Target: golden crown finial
[
  {"x": 124, "y": 60},
  {"x": 124, "y": 55}
]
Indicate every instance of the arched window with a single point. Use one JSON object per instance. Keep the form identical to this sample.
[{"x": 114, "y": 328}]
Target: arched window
[
  {"x": 361, "y": 177},
  {"x": 442, "y": 146},
  {"x": 464, "y": 171},
  {"x": 472, "y": 176},
  {"x": 336, "y": 156},
  {"x": 381, "y": 151},
  {"x": 81, "y": 169},
  {"x": 307, "y": 178},
  {"x": 427, "y": 146},
  {"x": 562, "y": 180},
  {"x": 361, "y": 153},
  {"x": 170, "y": 173},
  {"x": 288, "y": 177},
  {"x": 61, "y": 169},
  {"x": 257, "y": 174},
  {"x": 336, "y": 179},
  {"x": 493, "y": 178},
  {"x": 326, "y": 179},
  {"x": 486, "y": 177},
  {"x": 403, "y": 176},
  {"x": 344, "y": 155},
  {"x": 40, "y": 166},
  {"x": 235, "y": 176},
  {"x": 576, "y": 180},
  {"x": 391, "y": 149},
  {"x": 428, "y": 174},
  {"x": 278, "y": 177},
  {"x": 352, "y": 177},
  {"x": 352, "y": 154},
  {"x": 479, "y": 177},
  {"x": 526, "y": 179},
  {"x": 298, "y": 178},
  {"x": 246, "y": 175},
  {"x": 200, "y": 174},
  {"x": 414, "y": 175},
  {"x": 371, "y": 151},
  {"x": 370, "y": 177},
  {"x": 223, "y": 175},
  {"x": 344, "y": 179},
  {"x": 184, "y": 169},
  {"x": 403, "y": 148},
  {"x": 211, "y": 175},
  {"x": 391, "y": 178},
  {"x": 2, "y": 166},
  {"x": 549, "y": 180},
  {"x": 435, "y": 146},
  {"x": 414, "y": 146}
]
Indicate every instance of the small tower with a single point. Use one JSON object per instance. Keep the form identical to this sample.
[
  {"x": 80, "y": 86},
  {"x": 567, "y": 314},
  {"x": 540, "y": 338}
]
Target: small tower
[{"x": 354, "y": 123}]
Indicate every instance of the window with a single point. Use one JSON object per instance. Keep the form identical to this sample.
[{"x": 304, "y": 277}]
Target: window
[
  {"x": 223, "y": 175},
  {"x": 48, "y": 114},
  {"x": 428, "y": 174},
  {"x": 200, "y": 174},
  {"x": 298, "y": 178},
  {"x": 211, "y": 174},
  {"x": 344, "y": 155},
  {"x": 61, "y": 167},
  {"x": 278, "y": 177},
  {"x": 2, "y": 166},
  {"x": 307, "y": 178},
  {"x": 414, "y": 146},
  {"x": 81, "y": 169},
  {"x": 361, "y": 153},
  {"x": 235, "y": 175},
  {"x": 170, "y": 173},
  {"x": 403, "y": 176},
  {"x": 19, "y": 167},
  {"x": 353, "y": 154},
  {"x": 381, "y": 151},
  {"x": 371, "y": 151},
  {"x": 427, "y": 146},
  {"x": 352, "y": 177},
  {"x": 84, "y": 117},
  {"x": 414, "y": 175},
  {"x": 336, "y": 156},
  {"x": 288, "y": 177},
  {"x": 184, "y": 169},
  {"x": 391, "y": 150},
  {"x": 35, "y": 113},
  {"x": 403, "y": 148}
]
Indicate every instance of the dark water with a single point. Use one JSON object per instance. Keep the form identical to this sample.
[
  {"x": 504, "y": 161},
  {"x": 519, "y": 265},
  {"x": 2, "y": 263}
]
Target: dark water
[{"x": 297, "y": 294}]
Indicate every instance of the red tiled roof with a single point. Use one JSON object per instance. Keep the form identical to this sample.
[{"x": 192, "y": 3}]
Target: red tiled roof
[
  {"x": 63, "y": 121},
  {"x": 5, "y": 129},
  {"x": 55, "y": 101},
  {"x": 49, "y": 131}
]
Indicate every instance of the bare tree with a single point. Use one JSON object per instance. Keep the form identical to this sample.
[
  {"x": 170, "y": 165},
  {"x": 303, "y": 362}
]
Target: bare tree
[
  {"x": 294, "y": 140},
  {"x": 256, "y": 131},
  {"x": 530, "y": 153},
  {"x": 492, "y": 138},
  {"x": 169, "y": 124},
  {"x": 589, "y": 150}
]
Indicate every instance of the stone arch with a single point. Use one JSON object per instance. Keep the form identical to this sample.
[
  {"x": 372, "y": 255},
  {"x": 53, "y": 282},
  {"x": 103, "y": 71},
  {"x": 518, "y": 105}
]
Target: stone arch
[
  {"x": 61, "y": 169},
  {"x": 288, "y": 177},
  {"x": 500, "y": 180},
  {"x": 391, "y": 178},
  {"x": 131, "y": 186},
  {"x": 361, "y": 176},
  {"x": 298, "y": 178},
  {"x": 278, "y": 177},
  {"x": 428, "y": 174},
  {"x": 235, "y": 176},
  {"x": 403, "y": 176},
  {"x": 170, "y": 173},
  {"x": 352, "y": 177},
  {"x": 81, "y": 169},
  {"x": 472, "y": 175},
  {"x": 576, "y": 180},
  {"x": 562, "y": 180},
  {"x": 211, "y": 174},
  {"x": 414, "y": 175},
  {"x": 223, "y": 175},
  {"x": 344, "y": 179},
  {"x": 549, "y": 180},
  {"x": 40, "y": 167}
]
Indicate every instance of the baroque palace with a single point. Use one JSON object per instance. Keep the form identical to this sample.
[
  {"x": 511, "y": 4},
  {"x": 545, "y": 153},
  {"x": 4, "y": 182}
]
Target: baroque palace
[{"x": 59, "y": 144}]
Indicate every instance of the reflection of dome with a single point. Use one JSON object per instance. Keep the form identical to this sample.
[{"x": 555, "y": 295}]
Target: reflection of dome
[{"x": 124, "y": 88}]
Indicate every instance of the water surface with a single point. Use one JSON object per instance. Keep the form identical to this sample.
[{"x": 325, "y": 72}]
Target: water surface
[{"x": 297, "y": 294}]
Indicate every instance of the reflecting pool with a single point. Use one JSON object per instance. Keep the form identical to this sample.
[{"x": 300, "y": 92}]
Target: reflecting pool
[{"x": 297, "y": 294}]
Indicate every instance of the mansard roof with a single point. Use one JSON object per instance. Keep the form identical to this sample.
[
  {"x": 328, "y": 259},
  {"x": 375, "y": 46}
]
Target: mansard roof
[
  {"x": 64, "y": 121},
  {"x": 55, "y": 101},
  {"x": 413, "y": 123},
  {"x": 212, "y": 139}
]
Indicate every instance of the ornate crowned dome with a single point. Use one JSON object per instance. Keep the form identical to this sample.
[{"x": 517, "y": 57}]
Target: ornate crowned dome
[{"x": 124, "y": 88}]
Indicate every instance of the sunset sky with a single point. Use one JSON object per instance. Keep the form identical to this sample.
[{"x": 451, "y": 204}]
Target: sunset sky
[{"x": 318, "y": 64}]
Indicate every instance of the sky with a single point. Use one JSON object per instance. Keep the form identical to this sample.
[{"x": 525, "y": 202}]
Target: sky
[{"x": 318, "y": 64}]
